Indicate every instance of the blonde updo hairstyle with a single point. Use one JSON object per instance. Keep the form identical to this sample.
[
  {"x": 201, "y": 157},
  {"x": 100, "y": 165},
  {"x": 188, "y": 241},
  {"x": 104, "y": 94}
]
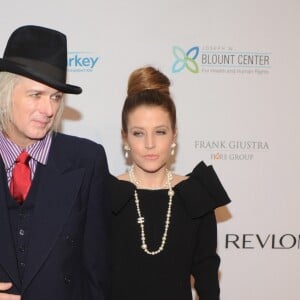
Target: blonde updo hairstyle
[{"x": 148, "y": 86}]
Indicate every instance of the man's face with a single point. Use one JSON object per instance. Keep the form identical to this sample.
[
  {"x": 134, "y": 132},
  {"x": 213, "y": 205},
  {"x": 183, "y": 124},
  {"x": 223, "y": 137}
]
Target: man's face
[{"x": 34, "y": 108}]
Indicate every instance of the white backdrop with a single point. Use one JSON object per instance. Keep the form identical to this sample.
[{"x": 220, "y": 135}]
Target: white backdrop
[{"x": 239, "y": 111}]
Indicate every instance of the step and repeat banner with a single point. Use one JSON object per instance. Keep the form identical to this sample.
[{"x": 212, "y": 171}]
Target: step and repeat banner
[{"x": 234, "y": 67}]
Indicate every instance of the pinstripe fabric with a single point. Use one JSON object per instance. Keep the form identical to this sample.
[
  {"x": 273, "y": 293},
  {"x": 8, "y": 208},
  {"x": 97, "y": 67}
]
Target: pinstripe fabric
[{"x": 38, "y": 152}]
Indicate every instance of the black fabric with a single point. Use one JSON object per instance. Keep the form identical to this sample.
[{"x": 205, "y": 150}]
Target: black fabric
[
  {"x": 20, "y": 220},
  {"x": 68, "y": 255},
  {"x": 191, "y": 242}
]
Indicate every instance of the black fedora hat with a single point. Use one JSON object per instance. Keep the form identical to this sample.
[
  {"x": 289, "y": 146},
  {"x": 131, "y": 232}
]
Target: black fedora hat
[{"x": 40, "y": 54}]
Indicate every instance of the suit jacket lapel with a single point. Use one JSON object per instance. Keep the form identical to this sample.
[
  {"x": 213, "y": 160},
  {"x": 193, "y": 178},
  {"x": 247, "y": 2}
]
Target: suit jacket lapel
[
  {"x": 8, "y": 260},
  {"x": 57, "y": 189}
]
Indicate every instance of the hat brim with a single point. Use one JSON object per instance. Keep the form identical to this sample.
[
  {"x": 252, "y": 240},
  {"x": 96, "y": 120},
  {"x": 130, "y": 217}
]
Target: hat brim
[{"x": 13, "y": 67}]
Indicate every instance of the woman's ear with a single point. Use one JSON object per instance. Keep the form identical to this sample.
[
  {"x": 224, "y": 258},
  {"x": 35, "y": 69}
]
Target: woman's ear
[
  {"x": 175, "y": 135},
  {"x": 124, "y": 136},
  {"x": 126, "y": 147}
]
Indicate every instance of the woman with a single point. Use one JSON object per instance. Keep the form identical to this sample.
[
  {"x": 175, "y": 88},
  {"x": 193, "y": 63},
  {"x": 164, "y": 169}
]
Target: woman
[{"x": 164, "y": 227}]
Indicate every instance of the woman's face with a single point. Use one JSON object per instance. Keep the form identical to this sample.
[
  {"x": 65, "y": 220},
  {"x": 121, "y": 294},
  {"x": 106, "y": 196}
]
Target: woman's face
[{"x": 149, "y": 136}]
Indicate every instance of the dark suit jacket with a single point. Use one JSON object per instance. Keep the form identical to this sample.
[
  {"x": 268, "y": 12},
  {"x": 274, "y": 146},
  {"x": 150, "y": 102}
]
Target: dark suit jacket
[{"x": 68, "y": 254}]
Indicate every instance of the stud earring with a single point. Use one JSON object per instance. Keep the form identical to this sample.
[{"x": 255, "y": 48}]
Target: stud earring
[
  {"x": 126, "y": 150},
  {"x": 173, "y": 146}
]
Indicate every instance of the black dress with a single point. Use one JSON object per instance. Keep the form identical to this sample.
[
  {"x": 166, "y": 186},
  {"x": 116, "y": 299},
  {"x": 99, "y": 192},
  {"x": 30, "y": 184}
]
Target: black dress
[{"x": 191, "y": 241}]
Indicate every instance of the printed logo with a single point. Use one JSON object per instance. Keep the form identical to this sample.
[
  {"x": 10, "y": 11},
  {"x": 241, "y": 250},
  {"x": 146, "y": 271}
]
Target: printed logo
[
  {"x": 232, "y": 149},
  {"x": 185, "y": 60},
  {"x": 262, "y": 241},
  {"x": 220, "y": 59},
  {"x": 82, "y": 61}
]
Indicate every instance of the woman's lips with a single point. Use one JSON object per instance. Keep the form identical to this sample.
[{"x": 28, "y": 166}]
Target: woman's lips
[{"x": 151, "y": 156}]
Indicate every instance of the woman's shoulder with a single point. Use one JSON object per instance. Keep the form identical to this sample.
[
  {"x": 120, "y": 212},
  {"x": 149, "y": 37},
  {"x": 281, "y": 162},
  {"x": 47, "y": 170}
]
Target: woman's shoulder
[
  {"x": 201, "y": 190},
  {"x": 123, "y": 177},
  {"x": 177, "y": 179}
]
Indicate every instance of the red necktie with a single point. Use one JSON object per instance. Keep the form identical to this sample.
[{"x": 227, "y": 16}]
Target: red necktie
[{"x": 21, "y": 179}]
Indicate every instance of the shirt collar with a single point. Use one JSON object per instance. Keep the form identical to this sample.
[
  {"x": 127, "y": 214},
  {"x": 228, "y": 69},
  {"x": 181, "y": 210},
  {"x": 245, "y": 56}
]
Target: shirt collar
[{"x": 39, "y": 151}]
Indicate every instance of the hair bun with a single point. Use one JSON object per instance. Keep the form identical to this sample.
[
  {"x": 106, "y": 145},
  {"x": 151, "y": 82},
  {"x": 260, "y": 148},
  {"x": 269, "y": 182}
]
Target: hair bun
[{"x": 147, "y": 78}]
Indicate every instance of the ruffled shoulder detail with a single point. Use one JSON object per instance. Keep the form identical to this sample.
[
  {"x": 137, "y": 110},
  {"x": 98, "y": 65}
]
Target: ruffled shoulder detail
[
  {"x": 202, "y": 192},
  {"x": 120, "y": 192}
]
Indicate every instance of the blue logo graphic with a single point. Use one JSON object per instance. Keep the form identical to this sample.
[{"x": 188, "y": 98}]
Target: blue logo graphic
[
  {"x": 81, "y": 61},
  {"x": 185, "y": 60}
]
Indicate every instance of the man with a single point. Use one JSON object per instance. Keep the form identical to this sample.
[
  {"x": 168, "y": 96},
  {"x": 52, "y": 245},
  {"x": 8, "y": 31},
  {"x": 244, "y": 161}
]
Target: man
[{"x": 54, "y": 210}]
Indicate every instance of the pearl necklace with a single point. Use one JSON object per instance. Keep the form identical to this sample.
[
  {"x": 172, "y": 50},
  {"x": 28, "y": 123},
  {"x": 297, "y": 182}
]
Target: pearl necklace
[{"x": 141, "y": 219}]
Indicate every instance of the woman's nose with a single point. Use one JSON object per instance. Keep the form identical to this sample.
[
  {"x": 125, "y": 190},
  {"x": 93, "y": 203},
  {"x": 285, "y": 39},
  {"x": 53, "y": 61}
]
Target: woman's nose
[{"x": 149, "y": 143}]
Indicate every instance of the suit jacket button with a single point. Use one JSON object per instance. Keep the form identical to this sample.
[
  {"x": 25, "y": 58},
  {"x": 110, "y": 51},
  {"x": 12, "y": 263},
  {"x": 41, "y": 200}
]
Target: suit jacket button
[
  {"x": 22, "y": 249},
  {"x": 67, "y": 279}
]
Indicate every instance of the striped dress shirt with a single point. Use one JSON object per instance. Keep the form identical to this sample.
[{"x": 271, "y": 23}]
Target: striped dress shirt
[{"x": 38, "y": 152}]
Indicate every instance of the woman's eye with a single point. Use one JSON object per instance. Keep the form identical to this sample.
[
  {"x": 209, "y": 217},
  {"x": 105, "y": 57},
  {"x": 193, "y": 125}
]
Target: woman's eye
[
  {"x": 161, "y": 132},
  {"x": 137, "y": 133}
]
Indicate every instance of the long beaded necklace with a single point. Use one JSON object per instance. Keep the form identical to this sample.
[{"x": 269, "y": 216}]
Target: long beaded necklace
[{"x": 141, "y": 219}]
